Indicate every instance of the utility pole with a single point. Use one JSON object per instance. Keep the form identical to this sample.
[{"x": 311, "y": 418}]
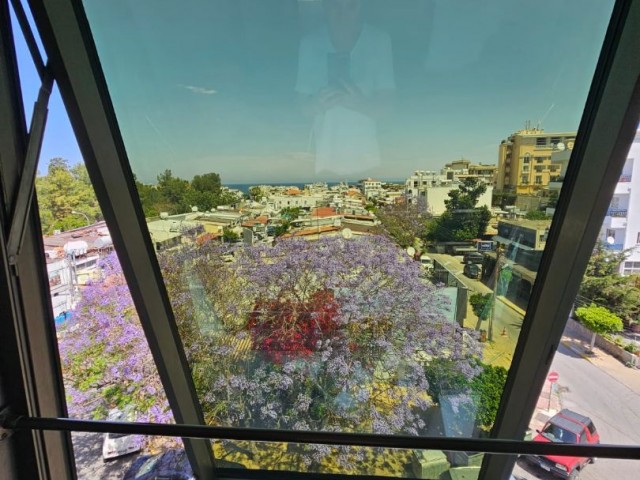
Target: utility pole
[{"x": 495, "y": 291}]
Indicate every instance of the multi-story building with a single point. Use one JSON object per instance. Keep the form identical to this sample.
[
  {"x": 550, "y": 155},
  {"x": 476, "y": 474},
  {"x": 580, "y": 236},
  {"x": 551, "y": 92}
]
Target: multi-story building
[
  {"x": 420, "y": 180},
  {"x": 524, "y": 159},
  {"x": 371, "y": 188},
  {"x": 461, "y": 169},
  {"x": 621, "y": 227}
]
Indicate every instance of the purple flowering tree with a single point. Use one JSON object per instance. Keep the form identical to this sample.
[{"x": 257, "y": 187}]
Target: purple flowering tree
[
  {"x": 106, "y": 361},
  {"x": 364, "y": 374}
]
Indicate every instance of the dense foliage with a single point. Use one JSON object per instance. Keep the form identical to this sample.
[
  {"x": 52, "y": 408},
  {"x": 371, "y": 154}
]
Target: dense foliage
[
  {"x": 329, "y": 335},
  {"x": 481, "y": 305},
  {"x": 332, "y": 335},
  {"x": 404, "y": 222},
  {"x": 488, "y": 386},
  {"x": 174, "y": 195},
  {"x": 462, "y": 220},
  {"x": 63, "y": 190},
  {"x": 603, "y": 285},
  {"x": 106, "y": 361},
  {"x": 599, "y": 319}
]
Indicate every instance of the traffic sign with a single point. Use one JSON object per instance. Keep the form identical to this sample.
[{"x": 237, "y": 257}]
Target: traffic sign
[{"x": 553, "y": 377}]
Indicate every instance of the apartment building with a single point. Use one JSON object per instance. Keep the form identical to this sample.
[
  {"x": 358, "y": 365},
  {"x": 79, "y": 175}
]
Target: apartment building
[
  {"x": 621, "y": 227},
  {"x": 461, "y": 169},
  {"x": 524, "y": 159}
]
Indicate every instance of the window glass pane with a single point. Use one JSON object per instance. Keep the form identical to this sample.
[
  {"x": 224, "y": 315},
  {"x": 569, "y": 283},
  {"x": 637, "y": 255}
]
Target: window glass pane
[
  {"x": 330, "y": 263},
  {"x": 593, "y": 389}
]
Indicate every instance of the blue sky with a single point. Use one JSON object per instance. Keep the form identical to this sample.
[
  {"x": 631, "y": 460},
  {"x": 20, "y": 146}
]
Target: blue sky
[{"x": 209, "y": 85}]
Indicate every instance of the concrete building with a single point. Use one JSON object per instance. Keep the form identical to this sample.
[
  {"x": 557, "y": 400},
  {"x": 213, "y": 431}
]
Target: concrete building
[
  {"x": 461, "y": 169},
  {"x": 621, "y": 227},
  {"x": 524, "y": 159},
  {"x": 72, "y": 258},
  {"x": 433, "y": 189},
  {"x": 523, "y": 243},
  {"x": 371, "y": 188}
]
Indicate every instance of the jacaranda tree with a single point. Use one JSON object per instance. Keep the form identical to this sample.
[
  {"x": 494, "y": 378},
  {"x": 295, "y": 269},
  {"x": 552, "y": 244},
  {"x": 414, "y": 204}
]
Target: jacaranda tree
[
  {"x": 330, "y": 335},
  {"x": 106, "y": 361}
]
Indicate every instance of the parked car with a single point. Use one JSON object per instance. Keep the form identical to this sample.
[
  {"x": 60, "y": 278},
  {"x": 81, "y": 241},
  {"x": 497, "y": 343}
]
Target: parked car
[
  {"x": 472, "y": 270},
  {"x": 116, "y": 445},
  {"x": 473, "y": 257},
  {"x": 566, "y": 427},
  {"x": 170, "y": 465}
]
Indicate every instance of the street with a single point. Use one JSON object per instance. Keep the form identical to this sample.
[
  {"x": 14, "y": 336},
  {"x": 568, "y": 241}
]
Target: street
[
  {"x": 87, "y": 449},
  {"x": 507, "y": 320},
  {"x": 607, "y": 392}
]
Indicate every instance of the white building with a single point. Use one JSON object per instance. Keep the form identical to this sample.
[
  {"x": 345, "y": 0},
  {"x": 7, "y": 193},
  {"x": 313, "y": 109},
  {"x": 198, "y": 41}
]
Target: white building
[
  {"x": 371, "y": 188},
  {"x": 433, "y": 189},
  {"x": 621, "y": 227}
]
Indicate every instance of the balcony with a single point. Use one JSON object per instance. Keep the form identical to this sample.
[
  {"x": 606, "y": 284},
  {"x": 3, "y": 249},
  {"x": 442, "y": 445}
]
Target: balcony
[
  {"x": 625, "y": 178},
  {"x": 614, "y": 246},
  {"x": 617, "y": 212}
]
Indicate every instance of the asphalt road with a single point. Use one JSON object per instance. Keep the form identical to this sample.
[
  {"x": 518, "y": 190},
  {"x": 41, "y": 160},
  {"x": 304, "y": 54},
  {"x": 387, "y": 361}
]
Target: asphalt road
[
  {"x": 87, "y": 448},
  {"x": 611, "y": 398}
]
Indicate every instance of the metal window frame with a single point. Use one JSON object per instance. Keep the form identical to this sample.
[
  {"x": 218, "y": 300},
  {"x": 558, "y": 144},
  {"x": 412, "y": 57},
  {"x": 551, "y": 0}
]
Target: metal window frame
[
  {"x": 31, "y": 379},
  {"x": 606, "y": 130},
  {"x": 64, "y": 30}
]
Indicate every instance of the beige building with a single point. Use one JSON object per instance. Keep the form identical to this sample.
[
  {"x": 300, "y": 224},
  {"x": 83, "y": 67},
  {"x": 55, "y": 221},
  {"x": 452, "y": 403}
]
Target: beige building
[
  {"x": 524, "y": 159},
  {"x": 461, "y": 169}
]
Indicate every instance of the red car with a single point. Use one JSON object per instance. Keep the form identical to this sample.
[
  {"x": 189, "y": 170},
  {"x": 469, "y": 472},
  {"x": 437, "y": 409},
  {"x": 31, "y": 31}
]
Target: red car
[{"x": 566, "y": 427}]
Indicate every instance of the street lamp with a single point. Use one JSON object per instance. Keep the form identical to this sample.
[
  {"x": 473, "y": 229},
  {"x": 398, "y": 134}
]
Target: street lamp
[{"x": 86, "y": 217}]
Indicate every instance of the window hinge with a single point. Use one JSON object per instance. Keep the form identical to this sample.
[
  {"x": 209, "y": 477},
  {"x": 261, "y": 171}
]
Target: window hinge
[{"x": 4, "y": 418}]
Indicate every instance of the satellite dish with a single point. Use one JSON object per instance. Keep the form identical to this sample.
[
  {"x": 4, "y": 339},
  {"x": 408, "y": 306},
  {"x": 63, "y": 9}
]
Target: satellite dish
[
  {"x": 411, "y": 251},
  {"x": 561, "y": 146},
  {"x": 347, "y": 233}
]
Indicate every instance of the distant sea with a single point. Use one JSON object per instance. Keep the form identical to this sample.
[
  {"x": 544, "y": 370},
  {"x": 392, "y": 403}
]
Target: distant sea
[{"x": 244, "y": 187}]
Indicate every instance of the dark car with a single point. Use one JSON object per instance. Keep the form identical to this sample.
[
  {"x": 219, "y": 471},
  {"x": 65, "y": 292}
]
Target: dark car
[
  {"x": 472, "y": 270},
  {"x": 171, "y": 465},
  {"x": 473, "y": 257},
  {"x": 566, "y": 427}
]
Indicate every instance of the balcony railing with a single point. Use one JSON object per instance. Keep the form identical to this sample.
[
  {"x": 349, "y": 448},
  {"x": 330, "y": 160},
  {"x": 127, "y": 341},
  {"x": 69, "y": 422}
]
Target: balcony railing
[
  {"x": 625, "y": 178},
  {"x": 614, "y": 246},
  {"x": 617, "y": 212}
]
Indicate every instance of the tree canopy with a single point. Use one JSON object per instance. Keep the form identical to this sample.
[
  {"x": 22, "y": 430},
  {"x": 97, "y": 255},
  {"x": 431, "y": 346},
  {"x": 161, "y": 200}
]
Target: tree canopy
[
  {"x": 462, "y": 220},
  {"x": 63, "y": 190},
  {"x": 175, "y": 195},
  {"x": 603, "y": 285}
]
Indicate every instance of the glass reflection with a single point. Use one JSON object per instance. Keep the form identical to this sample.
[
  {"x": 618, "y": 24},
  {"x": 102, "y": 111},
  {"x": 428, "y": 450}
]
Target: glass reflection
[{"x": 331, "y": 263}]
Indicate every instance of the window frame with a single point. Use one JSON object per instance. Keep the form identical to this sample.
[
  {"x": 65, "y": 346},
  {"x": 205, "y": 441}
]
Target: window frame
[{"x": 606, "y": 131}]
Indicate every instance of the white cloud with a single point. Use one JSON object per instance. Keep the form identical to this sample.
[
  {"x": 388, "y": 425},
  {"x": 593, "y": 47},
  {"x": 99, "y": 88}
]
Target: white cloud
[{"x": 199, "y": 90}]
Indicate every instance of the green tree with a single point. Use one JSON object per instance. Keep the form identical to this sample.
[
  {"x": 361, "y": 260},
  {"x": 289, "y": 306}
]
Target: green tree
[
  {"x": 488, "y": 386},
  {"x": 462, "y": 220},
  {"x": 481, "y": 305},
  {"x": 599, "y": 320},
  {"x": 536, "y": 215},
  {"x": 256, "y": 194},
  {"x": 229, "y": 236},
  {"x": 602, "y": 284},
  {"x": 62, "y": 191},
  {"x": 404, "y": 223},
  {"x": 209, "y": 182}
]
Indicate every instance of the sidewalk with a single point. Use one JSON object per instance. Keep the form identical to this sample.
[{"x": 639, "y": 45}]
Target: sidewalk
[{"x": 549, "y": 403}]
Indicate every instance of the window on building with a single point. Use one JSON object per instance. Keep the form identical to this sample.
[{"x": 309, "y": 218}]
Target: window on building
[
  {"x": 527, "y": 158},
  {"x": 538, "y": 180},
  {"x": 555, "y": 140},
  {"x": 638, "y": 239},
  {"x": 541, "y": 141}
]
